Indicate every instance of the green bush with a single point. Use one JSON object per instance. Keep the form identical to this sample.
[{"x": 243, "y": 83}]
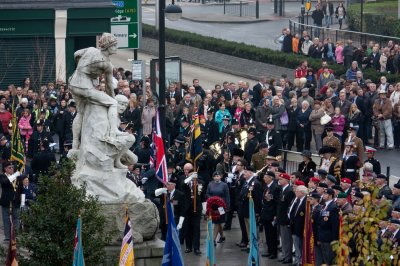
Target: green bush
[
  {"x": 375, "y": 23},
  {"x": 50, "y": 224},
  {"x": 249, "y": 52}
]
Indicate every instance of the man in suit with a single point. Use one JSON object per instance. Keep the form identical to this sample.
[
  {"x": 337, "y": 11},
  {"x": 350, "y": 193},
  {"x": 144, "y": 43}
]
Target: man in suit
[
  {"x": 282, "y": 219},
  {"x": 273, "y": 138},
  {"x": 251, "y": 187},
  {"x": 227, "y": 93},
  {"x": 296, "y": 214},
  {"x": 381, "y": 182},
  {"x": 69, "y": 119},
  {"x": 177, "y": 198},
  {"x": 328, "y": 227},
  {"x": 343, "y": 103},
  {"x": 394, "y": 228},
  {"x": 173, "y": 93},
  {"x": 268, "y": 213},
  {"x": 251, "y": 144},
  {"x": 194, "y": 196},
  {"x": 211, "y": 128},
  {"x": 257, "y": 90},
  {"x": 314, "y": 199},
  {"x": 343, "y": 203},
  {"x": 9, "y": 197}
]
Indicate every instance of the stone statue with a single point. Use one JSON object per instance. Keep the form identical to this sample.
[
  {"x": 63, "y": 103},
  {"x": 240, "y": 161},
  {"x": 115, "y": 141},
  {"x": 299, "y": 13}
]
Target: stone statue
[{"x": 98, "y": 144}]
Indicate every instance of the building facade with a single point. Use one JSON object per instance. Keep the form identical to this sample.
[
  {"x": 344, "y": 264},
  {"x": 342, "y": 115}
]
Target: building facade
[{"x": 39, "y": 37}]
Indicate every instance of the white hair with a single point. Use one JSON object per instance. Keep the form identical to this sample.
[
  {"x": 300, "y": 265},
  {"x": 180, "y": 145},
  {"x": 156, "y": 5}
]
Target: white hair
[
  {"x": 305, "y": 102},
  {"x": 302, "y": 189}
]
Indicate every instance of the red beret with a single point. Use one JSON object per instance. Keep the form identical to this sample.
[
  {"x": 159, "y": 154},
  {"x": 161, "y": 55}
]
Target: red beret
[
  {"x": 346, "y": 180},
  {"x": 299, "y": 183},
  {"x": 315, "y": 179},
  {"x": 284, "y": 176}
]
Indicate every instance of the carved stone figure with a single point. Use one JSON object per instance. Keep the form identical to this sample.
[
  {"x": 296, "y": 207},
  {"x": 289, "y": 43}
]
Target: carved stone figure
[{"x": 98, "y": 145}]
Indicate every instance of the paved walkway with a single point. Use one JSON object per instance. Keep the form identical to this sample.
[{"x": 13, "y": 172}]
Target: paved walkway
[{"x": 216, "y": 61}]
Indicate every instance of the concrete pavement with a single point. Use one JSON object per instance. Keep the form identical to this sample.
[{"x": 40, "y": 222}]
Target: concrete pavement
[{"x": 209, "y": 20}]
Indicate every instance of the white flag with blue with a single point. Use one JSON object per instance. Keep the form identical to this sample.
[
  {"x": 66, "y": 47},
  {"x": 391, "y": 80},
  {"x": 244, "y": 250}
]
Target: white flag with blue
[{"x": 172, "y": 250}]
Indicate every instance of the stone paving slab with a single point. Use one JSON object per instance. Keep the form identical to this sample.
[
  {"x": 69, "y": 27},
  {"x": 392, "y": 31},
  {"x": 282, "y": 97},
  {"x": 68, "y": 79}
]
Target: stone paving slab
[{"x": 216, "y": 61}]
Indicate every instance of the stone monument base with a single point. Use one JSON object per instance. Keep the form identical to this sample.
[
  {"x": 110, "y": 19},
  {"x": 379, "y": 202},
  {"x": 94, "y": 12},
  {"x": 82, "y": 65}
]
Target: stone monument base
[
  {"x": 148, "y": 253},
  {"x": 144, "y": 219}
]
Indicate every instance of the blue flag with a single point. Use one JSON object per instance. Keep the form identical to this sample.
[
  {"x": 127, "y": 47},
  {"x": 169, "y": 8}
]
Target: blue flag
[
  {"x": 253, "y": 255},
  {"x": 210, "y": 245},
  {"x": 78, "y": 249},
  {"x": 172, "y": 250}
]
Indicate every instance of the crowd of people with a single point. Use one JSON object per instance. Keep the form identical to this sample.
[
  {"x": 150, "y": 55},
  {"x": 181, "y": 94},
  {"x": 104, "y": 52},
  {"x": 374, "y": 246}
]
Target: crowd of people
[
  {"x": 371, "y": 55},
  {"x": 244, "y": 129}
]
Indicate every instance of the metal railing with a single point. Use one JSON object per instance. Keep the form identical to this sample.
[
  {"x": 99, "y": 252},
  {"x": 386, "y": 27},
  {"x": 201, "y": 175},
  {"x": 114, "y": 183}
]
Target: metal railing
[
  {"x": 242, "y": 8},
  {"x": 358, "y": 38},
  {"x": 292, "y": 159}
]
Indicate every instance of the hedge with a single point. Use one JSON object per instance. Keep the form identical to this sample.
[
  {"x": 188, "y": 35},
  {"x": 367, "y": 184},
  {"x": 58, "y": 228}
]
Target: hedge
[
  {"x": 247, "y": 51},
  {"x": 375, "y": 23}
]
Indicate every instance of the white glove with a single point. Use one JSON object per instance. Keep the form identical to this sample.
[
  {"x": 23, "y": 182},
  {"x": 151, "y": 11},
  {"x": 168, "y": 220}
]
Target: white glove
[
  {"x": 14, "y": 176},
  {"x": 187, "y": 180},
  {"x": 179, "y": 226},
  {"x": 144, "y": 179},
  {"x": 230, "y": 177},
  {"x": 160, "y": 191}
]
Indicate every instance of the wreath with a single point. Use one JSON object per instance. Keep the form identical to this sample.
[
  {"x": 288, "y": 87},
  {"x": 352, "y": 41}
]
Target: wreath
[{"x": 213, "y": 203}]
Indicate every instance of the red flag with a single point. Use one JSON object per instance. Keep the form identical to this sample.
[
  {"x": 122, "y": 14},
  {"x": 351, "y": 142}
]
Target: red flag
[
  {"x": 308, "y": 257},
  {"x": 11, "y": 259},
  {"x": 161, "y": 162}
]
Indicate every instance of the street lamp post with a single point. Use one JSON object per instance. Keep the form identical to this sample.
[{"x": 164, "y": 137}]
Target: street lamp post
[{"x": 172, "y": 12}]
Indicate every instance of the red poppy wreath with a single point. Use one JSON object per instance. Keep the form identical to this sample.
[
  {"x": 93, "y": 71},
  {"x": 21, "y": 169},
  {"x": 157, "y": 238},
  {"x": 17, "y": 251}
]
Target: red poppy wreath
[{"x": 213, "y": 203}]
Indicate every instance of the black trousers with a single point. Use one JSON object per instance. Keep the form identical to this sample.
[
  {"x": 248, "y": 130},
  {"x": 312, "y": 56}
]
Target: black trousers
[
  {"x": 229, "y": 214},
  {"x": 192, "y": 231},
  {"x": 245, "y": 237},
  {"x": 271, "y": 236}
]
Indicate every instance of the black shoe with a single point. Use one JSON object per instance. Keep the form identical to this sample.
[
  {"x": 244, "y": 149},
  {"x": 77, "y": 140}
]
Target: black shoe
[
  {"x": 226, "y": 228},
  {"x": 287, "y": 261},
  {"x": 188, "y": 250},
  {"x": 267, "y": 255},
  {"x": 242, "y": 245},
  {"x": 197, "y": 252},
  {"x": 221, "y": 240},
  {"x": 272, "y": 257},
  {"x": 281, "y": 260},
  {"x": 215, "y": 243}
]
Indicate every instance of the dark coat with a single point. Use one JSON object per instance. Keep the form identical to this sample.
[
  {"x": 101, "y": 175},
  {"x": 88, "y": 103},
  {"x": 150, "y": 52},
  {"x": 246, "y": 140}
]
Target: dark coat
[
  {"x": 41, "y": 162},
  {"x": 211, "y": 131},
  {"x": 134, "y": 117},
  {"x": 285, "y": 199},
  {"x": 250, "y": 148},
  {"x": 179, "y": 206},
  {"x": 188, "y": 190},
  {"x": 307, "y": 170},
  {"x": 244, "y": 197},
  {"x": 292, "y": 114},
  {"x": 287, "y": 43},
  {"x": 68, "y": 120},
  {"x": 297, "y": 218},
  {"x": 328, "y": 223},
  {"x": 8, "y": 194},
  {"x": 269, "y": 206},
  {"x": 274, "y": 141}
]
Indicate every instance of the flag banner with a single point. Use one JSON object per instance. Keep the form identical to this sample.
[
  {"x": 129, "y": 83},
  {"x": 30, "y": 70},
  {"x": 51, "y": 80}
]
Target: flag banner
[
  {"x": 127, "y": 257},
  {"x": 172, "y": 250},
  {"x": 308, "y": 257},
  {"x": 161, "y": 162},
  {"x": 11, "y": 259},
  {"x": 78, "y": 249},
  {"x": 196, "y": 143},
  {"x": 17, "y": 147},
  {"x": 210, "y": 244},
  {"x": 253, "y": 258}
]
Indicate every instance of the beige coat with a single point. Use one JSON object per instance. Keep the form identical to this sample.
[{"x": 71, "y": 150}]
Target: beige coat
[{"x": 315, "y": 119}]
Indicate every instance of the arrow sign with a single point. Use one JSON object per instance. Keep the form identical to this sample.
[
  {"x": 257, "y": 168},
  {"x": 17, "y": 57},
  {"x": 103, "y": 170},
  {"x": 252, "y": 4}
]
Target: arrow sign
[{"x": 133, "y": 35}]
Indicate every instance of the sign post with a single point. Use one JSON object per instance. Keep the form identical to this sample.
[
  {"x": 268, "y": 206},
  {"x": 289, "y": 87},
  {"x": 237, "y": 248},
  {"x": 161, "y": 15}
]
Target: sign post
[{"x": 126, "y": 25}]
